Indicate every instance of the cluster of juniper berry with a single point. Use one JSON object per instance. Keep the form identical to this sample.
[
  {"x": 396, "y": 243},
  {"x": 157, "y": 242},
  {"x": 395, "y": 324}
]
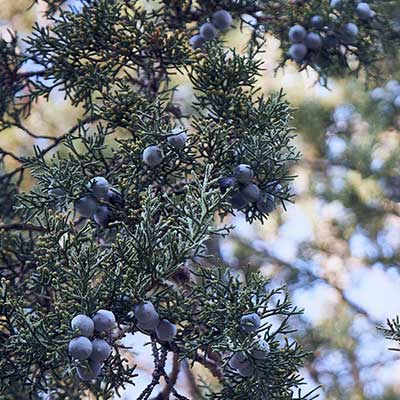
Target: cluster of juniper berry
[
  {"x": 326, "y": 35},
  {"x": 387, "y": 97},
  {"x": 148, "y": 319},
  {"x": 85, "y": 348},
  {"x": 88, "y": 206},
  {"x": 245, "y": 192},
  {"x": 153, "y": 156},
  {"x": 242, "y": 362},
  {"x": 220, "y": 20}
]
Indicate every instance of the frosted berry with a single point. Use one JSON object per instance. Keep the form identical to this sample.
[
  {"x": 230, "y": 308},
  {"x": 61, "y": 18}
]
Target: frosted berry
[
  {"x": 364, "y": 11},
  {"x": 243, "y": 173},
  {"x": 250, "y": 193},
  {"x": 166, "y": 330},
  {"x": 90, "y": 371},
  {"x": 350, "y": 31},
  {"x": 226, "y": 183},
  {"x": 250, "y": 322},
  {"x": 177, "y": 139},
  {"x": 150, "y": 325},
  {"x": 147, "y": 316},
  {"x": 266, "y": 204},
  {"x": 336, "y": 4},
  {"x": 86, "y": 206},
  {"x": 56, "y": 191},
  {"x": 237, "y": 360},
  {"x": 377, "y": 94},
  {"x": 297, "y": 34},
  {"x": 396, "y": 102},
  {"x": 152, "y": 156},
  {"x": 261, "y": 351},
  {"x": 83, "y": 324},
  {"x": 101, "y": 350},
  {"x": 297, "y": 52},
  {"x": 238, "y": 201},
  {"x": 197, "y": 41},
  {"x": 102, "y": 215},
  {"x": 222, "y": 19},
  {"x": 145, "y": 312},
  {"x": 99, "y": 187},
  {"x": 313, "y": 41},
  {"x": 246, "y": 370},
  {"x": 208, "y": 31},
  {"x": 80, "y": 348},
  {"x": 104, "y": 321},
  {"x": 331, "y": 40},
  {"x": 393, "y": 86},
  {"x": 115, "y": 198},
  {"x": 317, "y": 21}
]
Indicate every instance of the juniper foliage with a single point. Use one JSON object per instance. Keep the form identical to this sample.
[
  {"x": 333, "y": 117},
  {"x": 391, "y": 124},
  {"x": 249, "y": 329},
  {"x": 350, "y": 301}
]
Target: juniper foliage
[{"x": 117, "y": 61}]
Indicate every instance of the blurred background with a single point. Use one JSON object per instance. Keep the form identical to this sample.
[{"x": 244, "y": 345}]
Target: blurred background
[{"x": 336, "y": 248}]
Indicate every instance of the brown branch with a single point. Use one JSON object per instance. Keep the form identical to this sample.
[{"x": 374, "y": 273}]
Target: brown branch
[
  {"x": 172, "y": 378},
  {"x": 211, "y": 366},
  {"x": 22, "y": 227},
  {"x": 194, "y": 389},
  {"x": 56, "y": 142},
  {"x": 8, "y": 153}
]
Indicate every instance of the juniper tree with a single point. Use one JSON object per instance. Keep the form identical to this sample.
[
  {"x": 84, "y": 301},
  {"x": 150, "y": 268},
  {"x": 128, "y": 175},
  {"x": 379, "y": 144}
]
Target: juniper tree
[{"x": 125, "y": 200}]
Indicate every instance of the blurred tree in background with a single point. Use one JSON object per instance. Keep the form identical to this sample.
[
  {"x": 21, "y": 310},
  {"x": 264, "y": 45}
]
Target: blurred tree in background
[{"x": 336, "y": 249}]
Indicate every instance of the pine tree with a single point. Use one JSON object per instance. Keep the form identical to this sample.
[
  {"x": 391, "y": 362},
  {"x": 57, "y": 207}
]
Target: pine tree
[{"x": 113, "y": 237}]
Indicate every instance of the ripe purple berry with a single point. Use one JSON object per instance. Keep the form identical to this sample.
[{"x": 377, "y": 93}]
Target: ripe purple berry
[
  {"x": 90, "y": 371},
  {"x": 115, "y": 198},
  {"x": 350, "y": 32},
  {"x": 250, "y": 322},
  {"x": 246, "y": 370},
  {"x": 396, "y": 102},
  {"x": 86, "y": 206},
  {"x": 208, "y": 31},
  {"x": 237, "y": 360},
  {"x": 297, "y": 52},
  {"x": 145, "y": 312},
  {"x": 243, "y": 173},
  {"x": 166, "y": 330},
  {"x": 238, "y": 201},
  {"x": 336, "y": 4},
  {"x": 99, "y": 187},
  {"x": 149, "y": 325},
  {"x": 266, "y": 204},
  {"x": 393, "y": 86},
  {"x": 56, "y": 191},
  {"x": 80, "y": 348},
  {"x": 226, "y": 183},
  {"x": 317, "y": 21},
  {"x": 250, "y": 193},
  {"x": 364, "y": 11},
  {"x": 222, "y": 19},
  {"x": 104, "y": 321},
  {"x": 152, "y": 156},
  {"x": 146, "y": 315},
  {"x": 297, "y": 34},
  {"x": 101, "y": 350},
  {"x": 83, "y": 324},
  {"x": 261, "y": 351},
  {"x": 377, "y": 94},
  {"x": 102, "y": 215},
  {"x": 177, "y": 139},
  {"x": 197, "y": 41},
  {"x": 313, "y": 41}
]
